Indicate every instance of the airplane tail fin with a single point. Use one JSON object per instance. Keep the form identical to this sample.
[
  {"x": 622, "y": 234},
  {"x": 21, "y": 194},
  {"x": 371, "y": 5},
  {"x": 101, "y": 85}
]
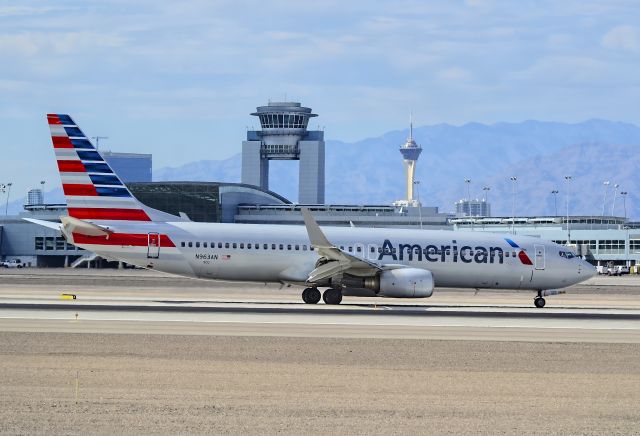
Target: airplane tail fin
[{"x": 93, "y": 191}]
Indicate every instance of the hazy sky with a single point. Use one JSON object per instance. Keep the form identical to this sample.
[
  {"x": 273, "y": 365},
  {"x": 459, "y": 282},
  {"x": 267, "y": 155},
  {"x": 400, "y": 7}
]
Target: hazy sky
[{"x": 179, "y": 78}]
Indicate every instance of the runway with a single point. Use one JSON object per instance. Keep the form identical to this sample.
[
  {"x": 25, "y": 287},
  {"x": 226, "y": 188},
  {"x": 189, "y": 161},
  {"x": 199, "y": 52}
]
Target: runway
[
  {"x": 284, "y": 318},
  {"x": 153, "y": 353}
]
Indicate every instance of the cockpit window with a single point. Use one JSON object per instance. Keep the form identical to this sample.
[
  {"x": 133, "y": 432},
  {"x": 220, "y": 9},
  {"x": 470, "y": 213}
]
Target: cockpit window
[{"x": 567, "y": 254}]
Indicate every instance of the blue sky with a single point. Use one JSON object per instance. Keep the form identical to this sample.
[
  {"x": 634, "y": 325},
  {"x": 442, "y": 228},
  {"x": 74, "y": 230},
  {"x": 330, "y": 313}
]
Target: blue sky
[{"x": 178, "y": 79}]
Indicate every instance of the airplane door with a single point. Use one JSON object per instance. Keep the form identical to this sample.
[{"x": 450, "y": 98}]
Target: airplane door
[
  {"x": 539, "y": 252},
  {"x": 153, "y": 245},
  {"x": 372, "y": 251}
]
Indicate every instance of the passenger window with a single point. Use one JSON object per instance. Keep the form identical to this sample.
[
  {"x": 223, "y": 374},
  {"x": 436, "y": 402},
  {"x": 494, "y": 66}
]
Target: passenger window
[
  {"x": 248, "y": 245},
  {"x": 197, "y": 245},
  {"x": 234, "y": 245},
  {"x": 342, "y": 247},
  {"x": 204, "y": 245},
  {"x": 372, "y": 249},
  {"x": 506, "y": 254},
  {"x": 513, "y": 254},
  {"x": 226, "y": 245},
  {"x": 281, "y": 247},
  {"x": 219, "y": 244},
  {"x": 297, "y": 247},
  {"x": 257, "y": 246},
  {"x": 311, "y": 248},
  {"x": 265, "y": 246},
  {"x": 304, "y": 248},
  {"x": 241, "y": 245},
  {"x": 350, "y": 249},
  {"x": 190, "y": 244},
  {"x": 182, "y": 244},
  {"x": 288, "y": 246},
  {"x": 359, "y": 249}
]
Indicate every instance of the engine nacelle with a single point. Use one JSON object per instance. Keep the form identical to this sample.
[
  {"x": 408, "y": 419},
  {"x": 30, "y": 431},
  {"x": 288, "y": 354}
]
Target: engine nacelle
[{"x": 406, "y": 283}]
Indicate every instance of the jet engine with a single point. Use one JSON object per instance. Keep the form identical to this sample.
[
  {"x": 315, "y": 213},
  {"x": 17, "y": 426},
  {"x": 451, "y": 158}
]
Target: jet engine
[
  {"x": 396, "y": 283},
  {"x": 406, "y": 283}
]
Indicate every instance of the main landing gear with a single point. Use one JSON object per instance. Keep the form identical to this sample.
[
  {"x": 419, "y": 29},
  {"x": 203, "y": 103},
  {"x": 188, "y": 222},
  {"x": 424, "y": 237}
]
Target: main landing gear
[
  {"x": 311, "y": 295},
  {"x": 330, "y": 296},
  {"x": 539, "y": 301}
]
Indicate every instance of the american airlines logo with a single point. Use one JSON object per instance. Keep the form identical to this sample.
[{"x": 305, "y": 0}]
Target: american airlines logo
[{"x": 442, "y": 253}]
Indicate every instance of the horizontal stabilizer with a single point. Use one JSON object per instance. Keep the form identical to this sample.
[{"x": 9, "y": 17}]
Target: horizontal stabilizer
[
  {"x": 48, "y": 224},
  {"x": 75, "y": 225}
]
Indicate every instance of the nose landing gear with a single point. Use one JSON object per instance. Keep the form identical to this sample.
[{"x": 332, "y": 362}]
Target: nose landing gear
[{"x": 539, "y": 301}]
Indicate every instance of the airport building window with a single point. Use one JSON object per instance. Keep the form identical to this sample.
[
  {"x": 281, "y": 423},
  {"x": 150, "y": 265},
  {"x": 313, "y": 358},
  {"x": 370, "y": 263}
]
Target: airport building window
[
  {"x": 48, "y": 243},
  {"x": 60, "y": 243},
  {"x": 609, "y": 246},
  {"x": 39, "y": 243},
  {"x": 634, "y": 246}
]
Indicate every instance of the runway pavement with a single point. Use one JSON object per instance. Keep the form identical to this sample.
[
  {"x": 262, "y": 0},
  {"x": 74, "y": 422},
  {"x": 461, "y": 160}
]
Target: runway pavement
[
  {"x": 140, "y": 352},
  {"x": 171, "y": 308}
]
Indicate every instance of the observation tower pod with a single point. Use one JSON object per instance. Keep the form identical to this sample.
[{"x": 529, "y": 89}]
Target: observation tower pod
[
  {"x": 410, "y": 153},
  {"x": 284, "y": 136}
]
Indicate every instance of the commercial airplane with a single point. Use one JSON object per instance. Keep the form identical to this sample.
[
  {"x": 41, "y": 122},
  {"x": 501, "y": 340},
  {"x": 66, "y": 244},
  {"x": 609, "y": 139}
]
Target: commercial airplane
[{"x": 104, "y": 218}]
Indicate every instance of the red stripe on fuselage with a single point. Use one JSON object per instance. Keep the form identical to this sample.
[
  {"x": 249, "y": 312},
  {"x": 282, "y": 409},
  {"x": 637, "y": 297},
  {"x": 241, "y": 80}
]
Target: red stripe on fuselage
[
  {"x": 126, "y": 239},
  {"x": 71, "y": 166},
  {"x": 61, "y": 142},
  {"x": 524, "y": 258},
  {"x": 108, "y": 214},
  {"x": 53, "y": 119},
  {"x": 78, "y": 189}
]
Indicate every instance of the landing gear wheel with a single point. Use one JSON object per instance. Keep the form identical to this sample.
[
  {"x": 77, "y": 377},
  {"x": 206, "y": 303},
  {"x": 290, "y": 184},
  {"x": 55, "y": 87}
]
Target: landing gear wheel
[
  {"x": 332, "y": 296},
  {"x": 539, "y": 302},
  {"x": 311, "y": 296}
]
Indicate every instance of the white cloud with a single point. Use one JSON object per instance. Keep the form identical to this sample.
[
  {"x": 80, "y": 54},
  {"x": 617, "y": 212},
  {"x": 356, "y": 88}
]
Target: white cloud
[{"x": 624, "y": 37}]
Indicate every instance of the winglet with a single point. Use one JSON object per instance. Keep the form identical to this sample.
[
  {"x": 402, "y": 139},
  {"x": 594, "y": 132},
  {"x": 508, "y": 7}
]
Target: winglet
[{"x": 317, "y": 238}]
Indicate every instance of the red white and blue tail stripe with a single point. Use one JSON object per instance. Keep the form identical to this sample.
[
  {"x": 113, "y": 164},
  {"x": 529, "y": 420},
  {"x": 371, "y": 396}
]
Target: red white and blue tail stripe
[{"x": 93, "y": 191}]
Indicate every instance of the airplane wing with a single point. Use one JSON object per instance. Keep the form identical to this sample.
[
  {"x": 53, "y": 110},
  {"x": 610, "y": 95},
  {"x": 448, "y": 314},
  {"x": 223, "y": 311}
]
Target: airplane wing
[{"x": 337, "y": 260}]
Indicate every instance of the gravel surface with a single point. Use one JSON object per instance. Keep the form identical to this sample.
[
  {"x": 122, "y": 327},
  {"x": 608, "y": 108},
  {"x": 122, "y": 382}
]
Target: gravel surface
[{"x": 258, "y": 385}]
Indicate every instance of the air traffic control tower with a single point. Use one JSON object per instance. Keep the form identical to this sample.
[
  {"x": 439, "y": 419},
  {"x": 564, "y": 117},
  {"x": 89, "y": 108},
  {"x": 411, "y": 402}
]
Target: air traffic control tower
[{"x": 284, "y": 136}]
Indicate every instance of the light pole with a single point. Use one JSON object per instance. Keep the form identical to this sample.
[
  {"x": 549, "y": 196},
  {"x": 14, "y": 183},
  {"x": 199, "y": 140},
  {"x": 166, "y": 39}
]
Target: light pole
[
  {"x": 468, "y": 183},
  {"x": 7, "y": 187},
  {"x": 42, "y": 182},
  {"x": 568, "y": 179},
  {"x": 604, "y": 201},
  {"x": 514, "y": 179},
  {"x": 615, "y": 194},
  {"x": 624, "y": 202},
  {"x": 486, "y": 190},
  {"x": 417, "y": 185},
  {"x": 555, "y": 200}
]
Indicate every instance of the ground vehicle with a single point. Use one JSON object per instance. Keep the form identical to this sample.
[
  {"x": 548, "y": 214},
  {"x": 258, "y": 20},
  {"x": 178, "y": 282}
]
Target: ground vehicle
[{"x": 13, "y": 263}]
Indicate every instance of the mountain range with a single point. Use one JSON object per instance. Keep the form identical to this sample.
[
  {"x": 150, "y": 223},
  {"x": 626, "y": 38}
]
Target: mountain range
[{"x": 540, "y": 154}]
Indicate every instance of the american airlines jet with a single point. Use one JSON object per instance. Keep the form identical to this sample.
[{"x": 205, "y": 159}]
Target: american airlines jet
[{"x": 104, "y": 218}]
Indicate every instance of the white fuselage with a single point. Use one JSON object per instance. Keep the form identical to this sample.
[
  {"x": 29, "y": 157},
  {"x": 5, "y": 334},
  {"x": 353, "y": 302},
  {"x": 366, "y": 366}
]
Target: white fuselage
[{"x": 282, "y": 253}]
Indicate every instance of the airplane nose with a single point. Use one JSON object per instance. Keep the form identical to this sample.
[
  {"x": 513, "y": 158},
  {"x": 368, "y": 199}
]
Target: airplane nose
[{"x": 586, "y": 270}]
